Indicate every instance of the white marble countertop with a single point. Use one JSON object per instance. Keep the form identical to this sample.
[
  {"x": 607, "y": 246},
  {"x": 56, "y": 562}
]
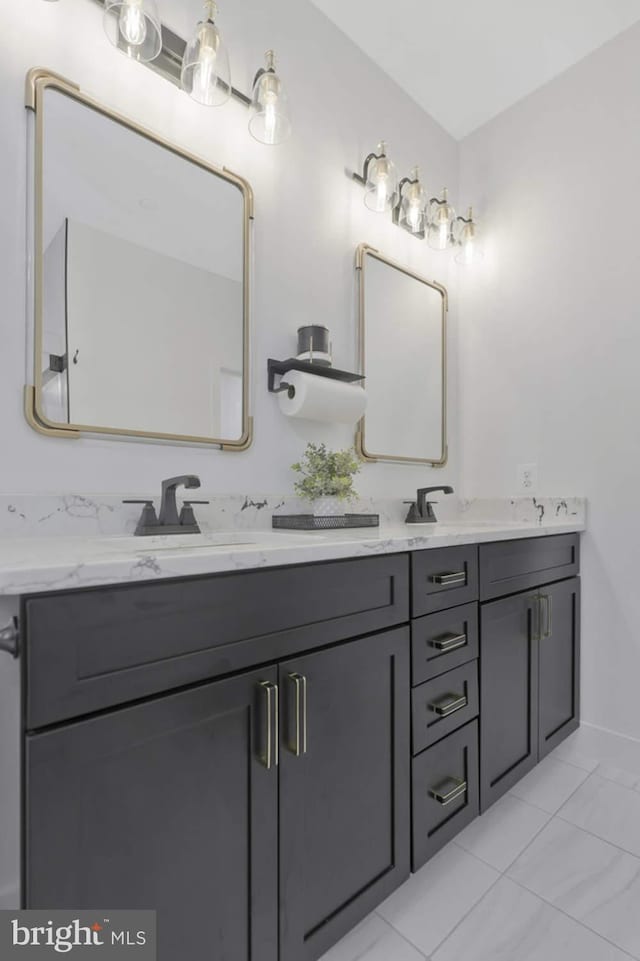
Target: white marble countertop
[{"x": 56, "y": 563}]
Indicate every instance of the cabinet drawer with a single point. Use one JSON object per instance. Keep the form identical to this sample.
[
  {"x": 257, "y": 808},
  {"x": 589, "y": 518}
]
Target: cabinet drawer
[
  {"x": 440, "y": 642},
  {"x": 443, "y": 704},
  {"x": 511, "y": 566},
  {"x": 442, "y": 578},
  {"x": 93, "y": 649},
  {"x": 445, "y": 793}
]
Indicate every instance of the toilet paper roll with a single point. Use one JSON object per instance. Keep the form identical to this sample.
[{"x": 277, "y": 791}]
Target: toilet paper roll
[{"x": 322, "y": 399}]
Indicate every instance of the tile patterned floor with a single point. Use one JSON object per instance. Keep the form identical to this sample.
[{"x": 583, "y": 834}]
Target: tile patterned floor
[{"x": 550, "y": 873}]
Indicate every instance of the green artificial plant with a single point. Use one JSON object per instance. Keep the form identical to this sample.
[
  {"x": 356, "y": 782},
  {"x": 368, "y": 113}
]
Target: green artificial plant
[{"x": 326, "y": 473}]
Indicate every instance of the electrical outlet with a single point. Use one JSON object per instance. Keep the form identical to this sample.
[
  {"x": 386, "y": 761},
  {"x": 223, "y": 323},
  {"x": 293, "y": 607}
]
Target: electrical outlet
[{"x": 527, "y": 478}]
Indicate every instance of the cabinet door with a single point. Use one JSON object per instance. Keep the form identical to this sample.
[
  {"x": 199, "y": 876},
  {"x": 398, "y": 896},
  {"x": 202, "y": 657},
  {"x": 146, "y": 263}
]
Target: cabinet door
[
  {"x": 559, "y": 663},
  {"x": 344, "y": 788},
  {"x": 166, "y": 806},
  {"x": 508, "y": 694}
]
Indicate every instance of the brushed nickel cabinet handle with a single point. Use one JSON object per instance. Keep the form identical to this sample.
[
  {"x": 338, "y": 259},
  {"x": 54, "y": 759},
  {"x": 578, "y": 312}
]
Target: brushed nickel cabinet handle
[
  {"x": 536, "y": 617},
  {"x": 298, "y": 745},
  {"x": 448, "y": 704},
  {"x": 547, "y": 620},
  {"x": 449, "y": 580},
  {"x": 449, "y": 791},
  {"x": 448, "y": 642},
  {"x": 270, "y": 756}
]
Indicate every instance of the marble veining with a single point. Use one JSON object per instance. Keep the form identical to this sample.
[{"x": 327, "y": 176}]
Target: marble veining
[
  {"x": 59, "y": 543},
  {"x": 30, "y": 515}
]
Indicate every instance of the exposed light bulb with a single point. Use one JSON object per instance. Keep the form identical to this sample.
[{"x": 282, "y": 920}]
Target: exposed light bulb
[
  {"x": 381, "y": 181},
  {"x": 204, "y": 70},
  {"x": 441, "y": 218},
  {"x": 410, "y": 212},
  {"x": 133, "y": 23},
  {"x": 134, "y": 27},
  {"x": 469, "y": 253},
  {"x": 270, "y": 120},
  {"x": 205, "y": 73},
  {"x": 381, "y": 194},
  {"x": 414, "y": 215}
]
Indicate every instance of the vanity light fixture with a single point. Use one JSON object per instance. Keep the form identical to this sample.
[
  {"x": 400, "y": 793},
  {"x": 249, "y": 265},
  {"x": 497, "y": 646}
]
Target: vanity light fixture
[
  {"x": 205, "y": 73},
  {"x": 441, "y": 218},
  {"x": 465, "y": 235},
  {"x": 134, "y": 27},
  {"x": 410, "y": 211},
  {"x": 269, "y": 122},
  {"x": 380, "y": 181}
]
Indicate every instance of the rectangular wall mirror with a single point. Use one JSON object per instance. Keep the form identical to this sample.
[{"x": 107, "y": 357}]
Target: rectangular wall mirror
[
  {"x": 141, "y": 273},
  {"x": 403, "y": 355}
]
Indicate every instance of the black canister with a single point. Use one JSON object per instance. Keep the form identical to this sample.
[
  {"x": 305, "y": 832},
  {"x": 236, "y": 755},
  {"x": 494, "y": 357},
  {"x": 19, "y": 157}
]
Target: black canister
[{"x": 313, "y": 343}]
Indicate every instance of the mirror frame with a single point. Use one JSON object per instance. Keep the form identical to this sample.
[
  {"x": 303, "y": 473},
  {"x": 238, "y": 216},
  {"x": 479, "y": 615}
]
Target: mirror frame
[
  {"x": 38, "y": 81},
  {"x": 364, "y": 251}
]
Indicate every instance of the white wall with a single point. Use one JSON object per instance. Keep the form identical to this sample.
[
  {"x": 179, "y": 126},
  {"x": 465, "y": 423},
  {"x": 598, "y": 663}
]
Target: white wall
[
  {"x": 309, "y": 219},
  {"x": 550, "y": 340}
]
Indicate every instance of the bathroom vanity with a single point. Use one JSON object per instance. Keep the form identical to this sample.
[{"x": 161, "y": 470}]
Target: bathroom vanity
[{"x": 264, "y": 755}]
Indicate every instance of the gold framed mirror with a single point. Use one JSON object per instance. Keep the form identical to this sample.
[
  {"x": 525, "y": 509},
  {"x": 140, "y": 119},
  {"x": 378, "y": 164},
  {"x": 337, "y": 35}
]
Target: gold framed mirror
[
  {"x": 141, "y": 279},
  {"x": 402, "y": 326}
]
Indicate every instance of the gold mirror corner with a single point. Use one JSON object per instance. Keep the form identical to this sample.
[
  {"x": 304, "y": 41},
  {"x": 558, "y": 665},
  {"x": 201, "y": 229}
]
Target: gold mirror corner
[
  {"x": 402, "y": 333},
  {"x": 131, "y": 282}
]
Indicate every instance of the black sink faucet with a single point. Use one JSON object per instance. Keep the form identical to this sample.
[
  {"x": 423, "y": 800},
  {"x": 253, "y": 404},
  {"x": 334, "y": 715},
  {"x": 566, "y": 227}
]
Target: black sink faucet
[
  {"x": 169, "y": 522},
  {"x": 421, "y": 510},
  {"x": 168, "y": 507}
]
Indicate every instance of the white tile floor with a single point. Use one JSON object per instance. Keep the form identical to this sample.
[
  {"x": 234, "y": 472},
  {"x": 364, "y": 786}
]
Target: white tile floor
[{"x": 550, "y": 873}]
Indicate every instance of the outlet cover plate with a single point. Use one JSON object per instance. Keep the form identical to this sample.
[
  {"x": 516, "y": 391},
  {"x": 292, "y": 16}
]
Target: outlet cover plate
[{"x": 527, "y": 478}]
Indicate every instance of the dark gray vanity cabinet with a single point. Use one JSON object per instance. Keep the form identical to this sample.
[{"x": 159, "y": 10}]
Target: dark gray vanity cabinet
[
  {"x": 559, "y": 664},
  {"x": 444, "y": 699},
  {"x": 167, "y": 806},
  {"x": 344, "y": 788},
  {"x": 529, "y": 657},
  {"x": 509, "y": 691},
  {"x": 263, "y": 811},
  {"x": 262, "y": 814}
]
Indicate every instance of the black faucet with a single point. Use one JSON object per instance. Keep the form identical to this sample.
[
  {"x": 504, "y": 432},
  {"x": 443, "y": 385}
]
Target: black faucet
[
  {"x": 169, "y": 522},
  {"x": 421, "y": 510}
]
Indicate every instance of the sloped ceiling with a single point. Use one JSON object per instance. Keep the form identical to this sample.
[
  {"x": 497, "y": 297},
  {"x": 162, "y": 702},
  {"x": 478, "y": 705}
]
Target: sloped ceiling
[{"x": 465, "y": 61}]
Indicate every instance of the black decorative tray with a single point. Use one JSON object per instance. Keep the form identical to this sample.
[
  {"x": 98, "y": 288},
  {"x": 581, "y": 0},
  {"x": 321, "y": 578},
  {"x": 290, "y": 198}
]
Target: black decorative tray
[{"x": 311, "y": 522}]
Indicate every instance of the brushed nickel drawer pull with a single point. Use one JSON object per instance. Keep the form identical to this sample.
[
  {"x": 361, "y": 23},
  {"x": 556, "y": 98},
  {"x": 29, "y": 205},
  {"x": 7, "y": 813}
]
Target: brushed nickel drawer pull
[
  {"x": 450, "y": 580},
  {"x": 456, "y": 789},
  {"x": 449, "y": 704},
  {"x": 270, "y": 756},
  {"x": 448, "y": 642},
  {"x": 299, "y": 744}
]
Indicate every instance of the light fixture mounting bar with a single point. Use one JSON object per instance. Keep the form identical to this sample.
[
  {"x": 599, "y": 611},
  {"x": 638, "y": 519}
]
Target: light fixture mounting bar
[{"x": 168, "y": 63}]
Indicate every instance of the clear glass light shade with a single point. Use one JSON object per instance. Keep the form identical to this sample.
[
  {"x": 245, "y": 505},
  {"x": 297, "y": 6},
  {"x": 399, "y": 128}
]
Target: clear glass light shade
[
  {"x": 270, "y": 121},
  {"x": 381, "y": 189},
  {"x": 206, "y": 75},
  {"x": 414, "y": 204},
  {"x": 441, "y": 219},
  {"x": 134, "y": 27},
  {"x": 469, "y": 252}
]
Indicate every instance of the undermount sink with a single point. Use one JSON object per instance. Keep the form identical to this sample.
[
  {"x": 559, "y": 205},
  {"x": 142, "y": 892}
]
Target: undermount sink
[{"x": 213, "y": 540}]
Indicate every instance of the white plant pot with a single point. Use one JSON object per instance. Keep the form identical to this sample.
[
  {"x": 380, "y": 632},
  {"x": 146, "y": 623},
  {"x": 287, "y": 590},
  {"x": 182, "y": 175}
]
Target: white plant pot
[{"x": 328, "y": 507}]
